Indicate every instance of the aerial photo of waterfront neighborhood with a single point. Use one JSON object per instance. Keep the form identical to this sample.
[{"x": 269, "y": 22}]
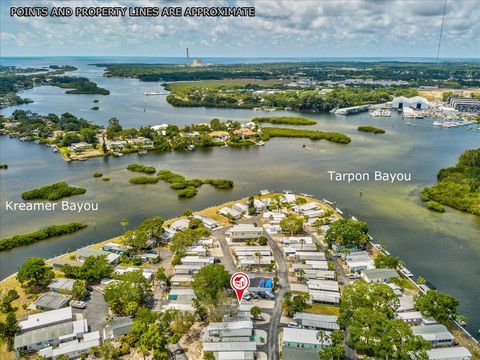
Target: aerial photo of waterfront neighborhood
[{"x": 198, "y": 183}]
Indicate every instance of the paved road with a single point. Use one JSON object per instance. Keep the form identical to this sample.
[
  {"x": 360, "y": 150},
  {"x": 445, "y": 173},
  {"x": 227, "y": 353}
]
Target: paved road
[
  {"x": 227, "y": 259},
  {"x": 282, "y": 273}
]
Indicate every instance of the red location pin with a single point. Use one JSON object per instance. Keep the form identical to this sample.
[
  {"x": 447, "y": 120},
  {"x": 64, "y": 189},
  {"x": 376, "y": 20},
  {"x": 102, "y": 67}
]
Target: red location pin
[{"x": 239, "y": 282}]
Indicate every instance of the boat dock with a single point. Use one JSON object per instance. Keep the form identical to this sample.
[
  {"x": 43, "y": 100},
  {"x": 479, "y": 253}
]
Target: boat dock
[{"x": 352, "y": 110}]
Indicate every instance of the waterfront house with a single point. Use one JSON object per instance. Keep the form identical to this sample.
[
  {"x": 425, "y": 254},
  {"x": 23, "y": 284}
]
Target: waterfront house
[
  {"x": 50, "y": 301},
  {"x": 415, "y": 318},
  {"x": 301, "y": 209},
  {"x": 242, "y": 232},
  {"x": 244, "y": 132},
  {"x": 207, "y": 222},
  {"x": 288, "y": 198},
  {"x": 450, "y": 353},
  {"x": 379, "y": 275},
  {"x": 220, "y": 136},
  {"x": 80, "y": 146},
  {"x": 243, "y": 208},
  {"x": 230, "y": 213},
  {"x": 436, "y": 335},
  {"x": 119, "y": 144},
  {"x": 180, "y": 224},
  {"x": 299, "y": 344},
  {"x": 114, "y": 248},
  {"x": 259, "y": 205},
  {"x": 143, "y": 141},
  {"x": 316, "y": 321}
]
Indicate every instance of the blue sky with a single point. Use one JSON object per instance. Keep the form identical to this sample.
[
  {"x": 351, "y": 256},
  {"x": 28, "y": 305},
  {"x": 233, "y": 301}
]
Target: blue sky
[{"x": 323, "y": 28}]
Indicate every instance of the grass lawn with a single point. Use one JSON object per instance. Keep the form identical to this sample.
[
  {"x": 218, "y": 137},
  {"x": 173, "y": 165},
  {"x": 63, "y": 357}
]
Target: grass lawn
[{"x": 323, "y": 309}]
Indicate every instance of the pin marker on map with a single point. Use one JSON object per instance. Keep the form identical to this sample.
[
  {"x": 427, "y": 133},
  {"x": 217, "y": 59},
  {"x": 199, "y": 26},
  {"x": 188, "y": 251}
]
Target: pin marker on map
[{"x": 239, "y": 283}]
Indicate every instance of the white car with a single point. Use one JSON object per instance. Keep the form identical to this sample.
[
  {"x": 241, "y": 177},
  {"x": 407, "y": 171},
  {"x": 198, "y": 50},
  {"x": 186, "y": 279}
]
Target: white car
[{"x": 294, "y": 325}]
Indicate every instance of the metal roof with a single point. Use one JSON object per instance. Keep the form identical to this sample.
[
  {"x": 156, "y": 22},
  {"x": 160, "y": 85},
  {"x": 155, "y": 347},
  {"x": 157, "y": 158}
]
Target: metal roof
[
  {"x": 229, "y": 346},
  {"x": 452, "y": 353},
  {"x": 301, "y": 336},
  {"x": 46, "y": 318}
]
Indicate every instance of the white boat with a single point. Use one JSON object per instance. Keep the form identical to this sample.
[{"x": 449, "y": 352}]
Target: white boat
[
  {"x": 142, "y": 152},
  {"x": 306, "y": 195},
  {"x": 191, "y": 147},
  {"x": 287, "y": 192},
  {"x": 339, "y": 211},
  {"x": 260, "y": 143}
]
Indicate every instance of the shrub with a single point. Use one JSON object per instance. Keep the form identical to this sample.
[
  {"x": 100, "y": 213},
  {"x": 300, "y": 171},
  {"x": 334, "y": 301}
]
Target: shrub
[
  {"x": 106, "y": 179},
  {"x": 143, "y": 180},
  {"x": 188, "y": 192},
  {"x": 371, "y": 129},
  {"x": 220, "y": 183},
  {"x": 97, "y": 174},
  {"x": 141, "y": 168},
  {"x": 290, "y": 120},
  {"x": 435, "y": 206},
  {"x": 269, "y": 132},
  {"x": 53, "y": 192},
  {"x": 42, "y": 234}
]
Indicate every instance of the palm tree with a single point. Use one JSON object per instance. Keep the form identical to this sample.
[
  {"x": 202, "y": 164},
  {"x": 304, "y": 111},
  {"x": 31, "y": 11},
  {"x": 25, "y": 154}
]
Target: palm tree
[
  {"x": 302, "y": 242},
  {"x": 259, "y": 257},
  {"x": 322, "y": 336},
  {"x": 124, "y": 223},
  {"x": 301, "y": 273},
  {"x": 206, "y": 247}
]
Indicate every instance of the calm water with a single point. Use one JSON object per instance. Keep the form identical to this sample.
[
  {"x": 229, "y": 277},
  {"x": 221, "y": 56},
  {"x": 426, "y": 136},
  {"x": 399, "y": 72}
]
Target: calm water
[{"x": 443, "y": 248}]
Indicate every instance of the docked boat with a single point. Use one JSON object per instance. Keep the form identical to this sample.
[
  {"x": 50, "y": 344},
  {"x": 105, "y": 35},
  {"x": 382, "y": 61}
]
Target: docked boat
[
  {"x": 142, "y": 152},
  {"x": 191, "y": 147},
  {"x": 260, "y": 143},
  {"x": 37, "y": 141}
]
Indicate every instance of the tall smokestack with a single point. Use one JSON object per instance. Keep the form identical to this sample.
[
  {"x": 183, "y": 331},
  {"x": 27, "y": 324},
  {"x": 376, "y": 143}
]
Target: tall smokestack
[{"x": 188, "y": 59}]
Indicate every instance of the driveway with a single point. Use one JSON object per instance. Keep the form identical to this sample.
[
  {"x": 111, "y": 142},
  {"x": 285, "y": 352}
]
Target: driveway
[{"x": 96, "y": 312}]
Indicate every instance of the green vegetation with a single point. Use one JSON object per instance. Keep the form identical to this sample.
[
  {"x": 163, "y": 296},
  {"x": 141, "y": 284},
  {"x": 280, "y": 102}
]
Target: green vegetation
[
  {"x": 6, "y": 300},
  {"x": 458, "y": 186},
  {"x": 95, "y": 108},
  {"x": 185, "y": 238},
  {"x": 125, "y": 297},
  {"x": 292, "y": 224},
  {"x": 141, "y": 168},
  {"x": 4, "y": 166},
  {"x": 34, "y": 273},
  {"x": 438, "y": 74},
  {"x": 387, "y": 261},
  {"x": 294, "y": 303},
  {"x": 79, "y": 290},
  {"x": 367, "y": 313},
  {"x": 440, "y": 306},
  {"x": 269, "y": 132},
  {"x": 288, "y": 120},
  {"x": 188, "y": 188},
  {"x": 106, "y": 178},
  {"x": 53, "y": 192},
  {"x": 144, "y": 180},
  {"x": 8, "y": 329},
  {"x": 80, "y": 85},
  {"x": 371, "y": 129},
  {"x": 42, "y": 234},
  {"x": 347, "y": 233},
  {"x": 93, "y": 269},
  {"x": 219, "y": 183},
  {"x": 211, "y": 281},
  {"x": 97, "y": 174},
  {"x": 435, "y": 206}
]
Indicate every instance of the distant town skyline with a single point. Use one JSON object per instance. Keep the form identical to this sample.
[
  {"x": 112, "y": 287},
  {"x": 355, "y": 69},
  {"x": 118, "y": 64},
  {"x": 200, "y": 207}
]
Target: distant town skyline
[{"x": 306, "y": 28}]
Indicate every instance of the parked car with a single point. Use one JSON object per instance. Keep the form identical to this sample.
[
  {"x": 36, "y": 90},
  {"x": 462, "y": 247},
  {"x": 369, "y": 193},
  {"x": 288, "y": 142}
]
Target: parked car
[
  {"x": 294, "y": 325},
  {"x": 247, "y": 297},
  {"x": 78, "y": 304},
  {"x": 89, "y": 288},
  {"x": 262, "y": 294},
  {"x": 269, "y": 295}
]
